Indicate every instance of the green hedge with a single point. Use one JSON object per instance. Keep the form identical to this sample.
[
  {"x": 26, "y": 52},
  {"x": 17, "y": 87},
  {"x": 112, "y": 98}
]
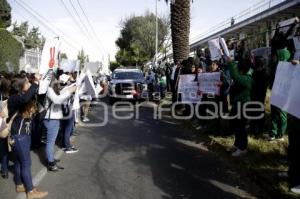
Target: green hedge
[{"x": 10, "y": 50}]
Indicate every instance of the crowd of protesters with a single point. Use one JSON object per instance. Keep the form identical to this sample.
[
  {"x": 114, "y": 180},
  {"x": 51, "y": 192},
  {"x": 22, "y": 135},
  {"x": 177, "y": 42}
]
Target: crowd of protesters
[
  {"x": 35, "y": 120},
  {"x": 245, "y": 77}
]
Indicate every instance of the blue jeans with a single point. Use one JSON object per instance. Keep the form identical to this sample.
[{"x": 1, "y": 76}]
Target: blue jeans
[
  {"x": 52, "y": 127},
  {"x": 21, "y": 149},
  {"x": 4, "y": 155},
  {"x": 67, "y": 129}
]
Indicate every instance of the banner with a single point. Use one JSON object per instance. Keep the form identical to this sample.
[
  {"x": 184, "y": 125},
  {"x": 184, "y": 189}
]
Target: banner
[
  {"x": 49, "y": 56},
  {"x": 93, "y": 67},
  {"x": 69, "y": 65},
  {"x": 285, "y": 91},
  {"x": 215, "y": 49},
  {"x": 209, "y": 83},
  {"x": 188, "y": 88},
  {"x": 218, "y": 48},
  {"x": 87, "y": 86}
]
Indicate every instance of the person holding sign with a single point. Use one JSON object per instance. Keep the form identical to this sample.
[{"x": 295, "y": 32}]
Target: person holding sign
[
  {"x": 53, "y": 114},
  {"x": 21, "y": 108},
  {"x": 242, "y": 86},
  {"x": 280, "y": 52},
  {"x": 293, "y": 150}
]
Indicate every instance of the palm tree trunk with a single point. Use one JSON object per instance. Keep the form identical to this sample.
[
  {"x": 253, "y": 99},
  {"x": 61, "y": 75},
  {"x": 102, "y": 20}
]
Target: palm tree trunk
[{"x": 180, "y": 27}]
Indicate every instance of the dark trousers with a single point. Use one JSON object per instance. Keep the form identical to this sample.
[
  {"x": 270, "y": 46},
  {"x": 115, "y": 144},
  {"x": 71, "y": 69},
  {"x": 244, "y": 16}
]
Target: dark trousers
[
  {"x": 67, "y": 127},
  {"x": 21, "y": 149},
  {"x": 257, "y": 125},
  {"x": 169, "y": 84},
  {"x": 239, "y": 127},
  {"x": 36, "y": 134},
  {"x": 174, "y": 91},
  {"x": 293, "y": 152},
  {"x": 4, "y": 155}
]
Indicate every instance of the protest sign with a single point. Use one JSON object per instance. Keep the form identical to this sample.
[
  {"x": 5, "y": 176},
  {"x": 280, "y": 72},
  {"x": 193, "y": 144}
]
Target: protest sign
[
  {"x": 209, "y": 83},
  {"x": 215, "y": 49},
  {"x": 188, "y": 88},
  {"x": 297, "y": 43},
  {"x": 93, "y": 67},
  {"x": 49, "y": 56},
  {"x": 218, "y": 48},
  {"x": 285, "y": 91},
  {"x": 224, "y": 47},
  {"x": 87, "y": 86},
  {"x": 69, "y": 65}
]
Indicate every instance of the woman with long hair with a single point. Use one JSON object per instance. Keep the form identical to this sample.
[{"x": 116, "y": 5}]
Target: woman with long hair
[
  {"x": 21, "y": 109},
  {"x": 54, "y": 114}
]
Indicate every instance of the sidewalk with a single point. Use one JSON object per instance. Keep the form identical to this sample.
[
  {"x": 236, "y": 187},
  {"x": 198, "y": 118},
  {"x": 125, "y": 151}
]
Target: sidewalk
[{"x": 7, "y": 186}]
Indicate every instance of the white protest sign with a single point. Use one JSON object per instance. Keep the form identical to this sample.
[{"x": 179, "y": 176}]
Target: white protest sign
[
  {"x": 215, "y": 49},
  {"x": 49, "y": 56},
  {"x": 69, "y": 65},
  {"x": 297, "y": 43},
  {"x": 224, "y": 47},
  {"x": 285, "y": 25},
  {"x": 87, "y": 87},
  {"x": 188, "y": 88},
  {"x": 285, "y": 91},
  {"x": 209, "y": 83},
  {"x": 93, "y": 67}
]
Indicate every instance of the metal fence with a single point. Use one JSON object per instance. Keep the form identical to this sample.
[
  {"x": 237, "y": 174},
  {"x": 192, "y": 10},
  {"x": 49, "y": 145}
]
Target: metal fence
[
  {"x": 245, "y": 14},
  {"x": 31, "y": 60}
]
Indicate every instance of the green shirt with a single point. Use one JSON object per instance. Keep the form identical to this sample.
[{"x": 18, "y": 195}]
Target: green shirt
[{"x": 242, "y": 82}]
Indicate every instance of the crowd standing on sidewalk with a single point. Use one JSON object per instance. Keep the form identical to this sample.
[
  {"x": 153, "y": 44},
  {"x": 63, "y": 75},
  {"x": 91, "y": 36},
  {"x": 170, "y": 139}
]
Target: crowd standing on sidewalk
[
  {"x": 30, "y": 120},
  {"x": 246, "y": 77}
]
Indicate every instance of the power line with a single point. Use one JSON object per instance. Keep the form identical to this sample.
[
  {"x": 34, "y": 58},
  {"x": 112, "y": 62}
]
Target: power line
[
  {"x": 81, "y": 21},
  {"x": 89, "y": 23},
  {"x": 75, "y": 22},
  {"x": 33, "y": 13}
]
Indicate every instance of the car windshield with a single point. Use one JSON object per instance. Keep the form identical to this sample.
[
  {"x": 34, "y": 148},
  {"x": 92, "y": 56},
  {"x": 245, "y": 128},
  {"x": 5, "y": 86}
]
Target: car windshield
[{"x": 127, "y": 75}]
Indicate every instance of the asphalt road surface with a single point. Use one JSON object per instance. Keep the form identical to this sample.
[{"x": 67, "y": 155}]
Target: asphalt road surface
[{"x": 140, "y": 158}]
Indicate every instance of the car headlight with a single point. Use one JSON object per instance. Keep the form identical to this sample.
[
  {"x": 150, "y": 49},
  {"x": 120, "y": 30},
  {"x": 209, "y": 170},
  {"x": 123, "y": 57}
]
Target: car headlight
[{"x": 145, "y": 87}]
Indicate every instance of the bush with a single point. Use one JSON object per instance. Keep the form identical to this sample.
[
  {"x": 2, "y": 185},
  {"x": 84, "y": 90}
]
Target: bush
[{"x": 10, "y": 50}]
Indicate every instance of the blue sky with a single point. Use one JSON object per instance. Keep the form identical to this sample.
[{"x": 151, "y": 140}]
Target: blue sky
[{"x": 105, "y": 17}]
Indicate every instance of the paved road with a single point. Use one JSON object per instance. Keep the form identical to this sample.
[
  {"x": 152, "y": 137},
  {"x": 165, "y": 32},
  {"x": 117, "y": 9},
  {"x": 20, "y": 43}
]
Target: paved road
[{"x": 140, "y": 159}]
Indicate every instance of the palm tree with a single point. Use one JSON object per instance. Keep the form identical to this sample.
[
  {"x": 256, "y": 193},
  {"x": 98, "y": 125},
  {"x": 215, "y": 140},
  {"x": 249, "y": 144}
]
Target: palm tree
[{"x": 180, "y": 27}]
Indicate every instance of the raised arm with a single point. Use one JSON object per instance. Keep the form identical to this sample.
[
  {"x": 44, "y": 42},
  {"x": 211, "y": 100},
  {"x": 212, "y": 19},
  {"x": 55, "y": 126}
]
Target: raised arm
[
  {"x": 24, "y": 98},
  {"x": 237, "y": 77},
  {"x": 58, "y": 99}
]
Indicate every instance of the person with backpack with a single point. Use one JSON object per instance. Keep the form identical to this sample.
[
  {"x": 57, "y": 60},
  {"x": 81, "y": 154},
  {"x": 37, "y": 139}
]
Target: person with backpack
[
  {"x": 21, "y": 108},
  {"x": 52, "y": 106},
  {"x": 68, "y": 121}
]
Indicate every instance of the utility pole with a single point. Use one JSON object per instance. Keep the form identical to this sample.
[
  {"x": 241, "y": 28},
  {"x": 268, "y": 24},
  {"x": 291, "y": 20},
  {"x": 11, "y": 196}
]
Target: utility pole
[{"x": 156, "y": 36}]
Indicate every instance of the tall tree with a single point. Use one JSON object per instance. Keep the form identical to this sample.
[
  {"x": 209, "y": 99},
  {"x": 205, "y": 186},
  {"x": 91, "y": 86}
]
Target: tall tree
[
  {"x": 20, "y": 30},
  {"x": 180, "y": 28},
  {"x": 5, "y": 14},
  {"x": 32, "y": 38},
  {"x": 10, "y": 49},
  {"x": 137, "y": 38}
]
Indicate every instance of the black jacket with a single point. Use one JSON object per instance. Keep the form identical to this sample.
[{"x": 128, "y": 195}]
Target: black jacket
[{"x": 15, "y": 104}]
